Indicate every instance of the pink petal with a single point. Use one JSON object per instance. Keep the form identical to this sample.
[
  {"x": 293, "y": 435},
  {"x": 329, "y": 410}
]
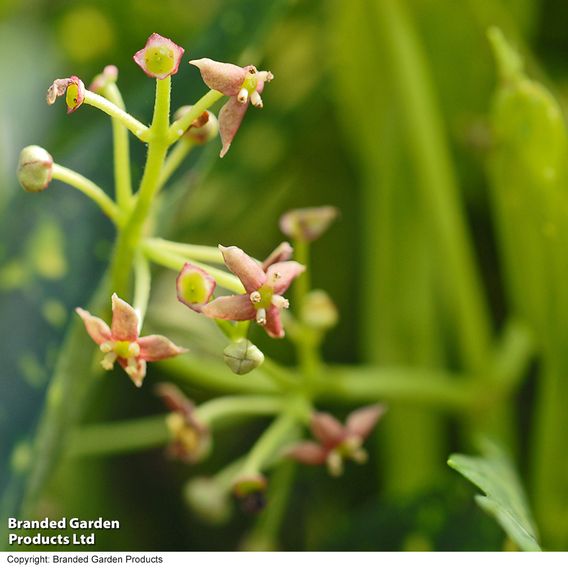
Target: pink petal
[
  {"x": 96, "y": 327},
  {"x": 281, "y": 253},
  {"x": 273, "y": 324},
  {"x": 175, "y": 399},
  {"x": 235, "y": 308},
  {"x": 124, "y": 320},
  {"x": 194, "y": 283},
  {"x": 327, "y": 429},
  {"x": 362, "y": 421},
  {"x": 308, "y": 453},
  {"x": 248, "y": 271},
  {"x": 224, "y": 77},
  {"x": 157, "y": 41},
  {"x": 230, "y": 118},
  {"x": 137, "y": 373},
  {"x": 281, "y": 274},
  {"x": 158, "y": 347}
]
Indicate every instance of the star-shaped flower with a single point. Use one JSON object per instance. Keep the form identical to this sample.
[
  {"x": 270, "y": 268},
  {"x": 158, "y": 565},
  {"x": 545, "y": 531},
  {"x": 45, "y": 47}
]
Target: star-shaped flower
[
  {"x": 121, "y": 342},
  {"x": 337, "y": 442},
  {"x": 191, "y": 439},
  {"x": 264, "y": 284},
  {"x": 241, "y": 84}
]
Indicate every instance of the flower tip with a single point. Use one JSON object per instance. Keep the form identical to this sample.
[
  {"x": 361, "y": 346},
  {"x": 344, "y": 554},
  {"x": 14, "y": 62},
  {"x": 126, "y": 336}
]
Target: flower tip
[
  {"x": 108, "y": 76},
  {"x": 160, "y": 57},
  {"x": 35, "y": 168},
  {"x": 308, "y": 224}
]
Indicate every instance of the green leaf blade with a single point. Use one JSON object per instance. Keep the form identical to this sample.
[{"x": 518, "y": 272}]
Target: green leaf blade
[{"x": 504, "y": 499}]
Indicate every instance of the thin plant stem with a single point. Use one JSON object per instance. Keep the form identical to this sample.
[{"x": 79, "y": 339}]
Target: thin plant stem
[
  {"x": 174, "y": 159},
  {"x": 143, "y": 282},
  {"x": 198, "y": 252},
  {"x": 88, "y": 188},
  {"x": 119, "y": 437},
  {"x": 280, "y": 432},
  {"x": 219, "y": 409},
  {"x": 130, "y": 236},
  {"x": 121, "y": 149},
  {"x": 135, "y": 126},
  {"x": 176, "y": 261},
  {"x": 417, "y": 387}
]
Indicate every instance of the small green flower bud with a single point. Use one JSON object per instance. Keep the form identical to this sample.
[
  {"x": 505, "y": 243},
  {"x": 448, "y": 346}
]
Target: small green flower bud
[
  {"x": 318, "y": 310},
  {"x": 35, "y": 168},
  {"x": 242, "y": 356},
  {"x": 202, "y": 129},
  {"x": 209, "y": 500}
]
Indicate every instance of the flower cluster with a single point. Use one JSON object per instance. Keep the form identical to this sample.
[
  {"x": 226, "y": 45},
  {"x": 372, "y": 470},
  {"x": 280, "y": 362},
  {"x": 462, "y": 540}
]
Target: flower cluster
[{"x": 256, "y": 288}]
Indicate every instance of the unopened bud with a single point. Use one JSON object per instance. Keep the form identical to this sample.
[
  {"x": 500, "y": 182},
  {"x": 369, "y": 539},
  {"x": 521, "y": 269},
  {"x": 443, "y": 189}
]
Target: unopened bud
[
  {"x": 307, "y": 224},
  {"x": 318, "y": 310},
  {"x": 203, "y": 129},
  {"x": 242, "y": 356},
  {"x": 209, "y": 500},
  {"x": 107, "y": 77},
  {"x": 35, "y": 168}
]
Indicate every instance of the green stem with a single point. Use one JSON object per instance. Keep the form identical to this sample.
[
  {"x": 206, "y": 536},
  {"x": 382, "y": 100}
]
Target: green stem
[
  {"x": 302, "y": 283},
  {"x": 135, "y": 126},
  {"x": 88, "y": 188},
  {"x": 119, "y": 437},
  {"x": 176, "y": 261},
  {"x": 129, "y": 238},
  {"x": 121, "y": 148},
  {"x": 418, "y": 387},
  {"x": 174, "y": 159},
  {"x": 197, "y": 252},
  {"x": 425, "y": 132},
  {"x": 270, "y": 442},
  {"x": 178, "y": 128},
  {"x": 222, "y": 408},
  {"x": 216, "y": 377},
  {"x": 143, "y": 283},
  {"x": 282, "y": 376}
]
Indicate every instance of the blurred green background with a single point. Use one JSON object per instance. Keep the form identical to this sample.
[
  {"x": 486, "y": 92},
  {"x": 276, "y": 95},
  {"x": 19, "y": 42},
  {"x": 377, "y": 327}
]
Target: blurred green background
[{"x": 329, "y": 134}]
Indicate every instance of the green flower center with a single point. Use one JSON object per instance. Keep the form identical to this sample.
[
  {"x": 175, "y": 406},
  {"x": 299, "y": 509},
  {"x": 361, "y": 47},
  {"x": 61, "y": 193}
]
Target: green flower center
[
  {"x": 266, "y": 294},
  {"x": 122, "y": 349},
  {"x": 72, "y": 95},
  {"x": 159, "y": 59},
  {"x": 250, "y": 83},
  {"x": 192, "y": 288}
]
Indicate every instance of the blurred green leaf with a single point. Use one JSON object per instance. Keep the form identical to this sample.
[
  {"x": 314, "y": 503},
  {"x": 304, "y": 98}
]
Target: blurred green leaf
[{"x": 504, "y": 498}]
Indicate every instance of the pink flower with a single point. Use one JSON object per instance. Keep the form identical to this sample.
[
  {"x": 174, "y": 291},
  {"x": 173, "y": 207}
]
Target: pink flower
[
  {"x": 121, "y": 342},
  {"x": 73, "y": 89},
  {"x": 191, "y": 439},
  {"x": 160, "y": 57},
  {"x": 241, "y": 84},
  {"x": 264, "y": 284},
  {"x": 336, "y": 442},
  {"x": 308, "y": 224}
]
